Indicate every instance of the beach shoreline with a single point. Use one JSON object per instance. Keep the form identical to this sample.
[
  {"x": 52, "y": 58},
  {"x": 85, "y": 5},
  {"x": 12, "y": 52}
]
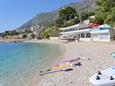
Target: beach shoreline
[
  {"x": 31, "y": 75},
  {"x": 94, "y": 57},
  {"x": 9, "y": 40},
  {"x": 61, "y": 44}
]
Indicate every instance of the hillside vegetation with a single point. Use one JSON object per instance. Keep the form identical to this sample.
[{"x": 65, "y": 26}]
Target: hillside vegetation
[
  {"x": 105, "y": 13},
  {"x": 67, "y": 17}
]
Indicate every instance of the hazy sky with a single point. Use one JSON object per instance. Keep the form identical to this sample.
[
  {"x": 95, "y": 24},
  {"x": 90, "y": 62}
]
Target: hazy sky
[{"x": 14, "y": 13}]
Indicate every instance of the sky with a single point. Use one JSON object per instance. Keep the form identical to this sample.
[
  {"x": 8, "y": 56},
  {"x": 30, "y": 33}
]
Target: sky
[{"x": 14, "y": 13}]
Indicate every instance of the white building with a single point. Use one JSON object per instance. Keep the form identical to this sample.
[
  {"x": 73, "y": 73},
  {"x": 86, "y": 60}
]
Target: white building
[
  {"x": 102, "y": 33},
  {"x": 83, "y": 32},
  {"x": 80, "y": 31}
]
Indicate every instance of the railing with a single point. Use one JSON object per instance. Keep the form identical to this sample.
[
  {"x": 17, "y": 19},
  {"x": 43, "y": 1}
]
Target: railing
[{"x": 74, "y": 29}]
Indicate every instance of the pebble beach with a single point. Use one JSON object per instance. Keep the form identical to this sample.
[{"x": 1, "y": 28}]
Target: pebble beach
[{"x": 94, "y": 56}]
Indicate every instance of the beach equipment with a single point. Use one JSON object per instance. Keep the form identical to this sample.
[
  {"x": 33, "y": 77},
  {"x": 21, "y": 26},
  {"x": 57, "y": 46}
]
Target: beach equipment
[{"x": 104, "y": 78}]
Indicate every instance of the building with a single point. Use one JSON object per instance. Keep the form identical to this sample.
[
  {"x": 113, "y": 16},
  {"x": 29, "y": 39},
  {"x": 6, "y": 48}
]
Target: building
[
  {"x": 83, "y": 32},
  {"x": 79, "y": 31},
  {"x": 36, "y": 30},
  {"x": 21, "y": 30},
  {"x": 102, "y": 33}
]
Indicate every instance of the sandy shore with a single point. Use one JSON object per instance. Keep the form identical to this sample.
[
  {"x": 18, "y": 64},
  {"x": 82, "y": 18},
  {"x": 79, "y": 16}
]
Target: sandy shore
[{"x": 98, "y": 53}]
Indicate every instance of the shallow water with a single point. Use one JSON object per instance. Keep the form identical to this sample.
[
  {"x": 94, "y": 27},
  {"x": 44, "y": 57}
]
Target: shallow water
[{"x": 20, "y": 62}]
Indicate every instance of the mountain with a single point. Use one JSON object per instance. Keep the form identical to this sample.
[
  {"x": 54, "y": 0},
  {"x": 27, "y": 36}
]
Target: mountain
[
  {"x": 41, "y": 19},
  {"x": 87, "y": 6},
  {"x": 49, "y": 17}
]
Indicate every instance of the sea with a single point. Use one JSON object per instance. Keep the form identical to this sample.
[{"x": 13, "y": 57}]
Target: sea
[{"x": 20, "y": 63}]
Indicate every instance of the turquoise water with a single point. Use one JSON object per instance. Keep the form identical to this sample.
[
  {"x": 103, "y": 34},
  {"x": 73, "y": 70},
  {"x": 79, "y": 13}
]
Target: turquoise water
[{"x": 21, "y": 62}]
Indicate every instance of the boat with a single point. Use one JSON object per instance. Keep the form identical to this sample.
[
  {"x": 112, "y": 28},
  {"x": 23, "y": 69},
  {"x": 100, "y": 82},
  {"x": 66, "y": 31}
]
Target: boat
[{"x": 104, "y": 78}]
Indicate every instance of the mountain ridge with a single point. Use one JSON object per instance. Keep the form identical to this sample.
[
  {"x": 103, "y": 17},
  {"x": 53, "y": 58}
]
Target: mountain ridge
[{"x": 46, "y": 18}]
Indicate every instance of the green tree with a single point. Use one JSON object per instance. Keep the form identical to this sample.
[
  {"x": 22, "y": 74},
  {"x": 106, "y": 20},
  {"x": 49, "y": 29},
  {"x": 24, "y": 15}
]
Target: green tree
[
  {"x": 72, "y": 22},
  {"x": 111, "y": 18},
  {"x": 105, "y": 5},
  {"x": 52, "y": 31},
  {"x": 59, "y": 22},
  {"x": 65, "y": 15},
  {"x": 11, "y": 33},
  {"x": 100, "y": 18},
  {"x": 105, "y": 12},
  {"x": 86, "y": 15}
]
